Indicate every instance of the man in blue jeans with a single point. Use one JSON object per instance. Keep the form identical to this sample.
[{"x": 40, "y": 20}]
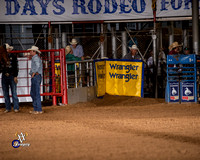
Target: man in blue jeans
[
  {"x": 9, "y": 78},
  {"x": 36, "y": 78}
]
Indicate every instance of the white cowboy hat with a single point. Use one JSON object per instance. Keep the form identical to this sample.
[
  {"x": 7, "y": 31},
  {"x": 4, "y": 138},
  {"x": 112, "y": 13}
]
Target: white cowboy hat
[
  {"x": 133, "y": 47},
  {"x": 67, "y": 49},
  {"x": 8, "y": 46},
  {"x": 34, "y": 48},
  {"x": 174, "y": 45},
  {"x": 74, "y": 41}
]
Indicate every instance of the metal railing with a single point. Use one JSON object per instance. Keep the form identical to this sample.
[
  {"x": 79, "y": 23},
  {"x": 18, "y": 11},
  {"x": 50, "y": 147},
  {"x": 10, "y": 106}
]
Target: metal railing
[{"x": 81, "y": 74}]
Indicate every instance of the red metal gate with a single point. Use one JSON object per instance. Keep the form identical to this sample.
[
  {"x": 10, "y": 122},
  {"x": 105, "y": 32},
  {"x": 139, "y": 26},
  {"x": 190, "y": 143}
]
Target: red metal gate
[{"x": 54, "y": 74}]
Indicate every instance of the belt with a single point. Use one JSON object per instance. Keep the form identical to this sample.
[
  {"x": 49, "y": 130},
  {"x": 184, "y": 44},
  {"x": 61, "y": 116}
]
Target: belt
[{"x": 36, "y": 74}]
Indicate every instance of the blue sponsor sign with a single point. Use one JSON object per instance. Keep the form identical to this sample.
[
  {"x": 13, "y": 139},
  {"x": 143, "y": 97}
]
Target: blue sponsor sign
[
  {"x": 174, "y": 91},
  {"x": 188, "y": 91}
]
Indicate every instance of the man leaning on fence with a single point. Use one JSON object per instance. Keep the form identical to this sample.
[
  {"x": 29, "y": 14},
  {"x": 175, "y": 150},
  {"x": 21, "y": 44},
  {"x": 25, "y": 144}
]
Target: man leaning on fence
[
  {"x": 36, "y": 78},
  {"x": 77, "y": 49},
  {"x": 9, "y": 65}
]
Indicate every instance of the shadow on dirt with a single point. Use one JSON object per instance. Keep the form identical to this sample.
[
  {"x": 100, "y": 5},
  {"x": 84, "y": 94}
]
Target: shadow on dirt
[{"x": 109, "y": 100}]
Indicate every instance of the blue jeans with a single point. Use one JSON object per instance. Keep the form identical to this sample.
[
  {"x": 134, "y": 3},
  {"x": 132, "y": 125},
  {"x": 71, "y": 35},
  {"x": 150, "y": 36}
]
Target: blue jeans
[
  {"x": 6, "y": 83},
  {"x": 35, "y": 92}
]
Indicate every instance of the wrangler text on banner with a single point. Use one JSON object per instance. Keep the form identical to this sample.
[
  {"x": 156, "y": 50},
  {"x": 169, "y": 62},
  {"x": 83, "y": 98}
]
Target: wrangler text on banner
[{"x": 121, "y": 78}]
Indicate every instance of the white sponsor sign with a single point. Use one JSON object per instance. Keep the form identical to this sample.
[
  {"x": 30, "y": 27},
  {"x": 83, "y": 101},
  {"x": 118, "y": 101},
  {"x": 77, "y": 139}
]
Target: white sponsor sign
[{"x": 89, "y": 10}]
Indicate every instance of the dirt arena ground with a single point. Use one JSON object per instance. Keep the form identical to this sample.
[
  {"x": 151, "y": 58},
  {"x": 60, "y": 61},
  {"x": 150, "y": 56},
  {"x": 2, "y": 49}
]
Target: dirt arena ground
[{"x": 112, "y": 128}]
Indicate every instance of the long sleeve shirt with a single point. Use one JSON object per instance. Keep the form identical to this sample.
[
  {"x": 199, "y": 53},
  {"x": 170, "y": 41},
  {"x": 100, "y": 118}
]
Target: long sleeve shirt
[
  {"x": 129, "y": 56},
  {"x": 36, "y": 65},
  {"x": 11, "y": 67},
  {"x": 78, "y": 51},
  {"x": 71, "y": 57}
]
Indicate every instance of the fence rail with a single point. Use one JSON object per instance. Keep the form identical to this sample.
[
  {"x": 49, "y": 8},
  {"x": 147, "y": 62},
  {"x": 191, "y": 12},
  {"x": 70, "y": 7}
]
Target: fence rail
[{"x": 82, "y": 75}]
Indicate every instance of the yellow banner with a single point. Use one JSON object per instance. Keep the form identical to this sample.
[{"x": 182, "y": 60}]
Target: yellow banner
[
  {"x": 57, "y": 78},
  {"x": 100, "y": 68},
  {"x": 124, "y": 78},
  {"x": 119, "y": 78}
]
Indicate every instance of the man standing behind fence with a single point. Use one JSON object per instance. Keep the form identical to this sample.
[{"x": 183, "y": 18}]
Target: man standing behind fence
[
  {"x": 36, "y": 78},
  {"x": 174, "y": 48},
  {"x": 9, "y": 78},
  {"x": 133, "y": 54},
  {"x": 77, "y": 49}
]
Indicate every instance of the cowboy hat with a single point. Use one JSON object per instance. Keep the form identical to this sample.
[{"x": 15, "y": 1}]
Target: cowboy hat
[
  {"x": 8, "y": 46},
  {"x": 174, "y": 45},
  {"x": 74, "y": 41},
  {"x": 133, "y": 47},
  {"x": 68, "y": 49},
  {"x": 34, "y": 48}
]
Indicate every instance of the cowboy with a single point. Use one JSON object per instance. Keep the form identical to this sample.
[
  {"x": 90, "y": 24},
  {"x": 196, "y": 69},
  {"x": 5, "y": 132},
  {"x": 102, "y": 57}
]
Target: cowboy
[
  {"x": 36, "y": 78},
  {"x": 9, "y": 77},
  {"x": 77, "y": 49},
  {"x": 69, "y": 56},
  {"x": 133, "y": 54},
  {"x": 186, "y": 51},
  {"x": 174, "y": 48}
]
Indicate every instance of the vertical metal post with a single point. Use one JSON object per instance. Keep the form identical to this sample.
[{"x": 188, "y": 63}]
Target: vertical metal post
[
  {"x": 195, "y": 26},
  {"x": 87, "y": 71},
  {"x": 102, "y": 42},
  {"x": 49, "y": 56},
  {"x": 98, "y": 28},
  {"x": 57, "y": 38},
  {"x": 105, "y": 40},
  {"x": 75, "y": 68},
  {"x": 49, "y": 37},
  {"x": 72, "y": 29},
  {"x": 11, "y": 34},
  {"x": 67, "y": 78},
  {"x": 80, "y": 75},
  {"x": 160, "y": 37},
  {"x": 91, "y": 75},
  {"x": 154, "y": 37},
  {"x": 171, "y": 33},
  {"x": 64, "y": 39},
  {"x": 63, "y": 76},
  {"x": 114, "y": 46},
  {"x": 53, "y": 78},
  {"x": 155, "y": 62},
  {"x": 124, "y": 43},
  {"x": 185, "y": 38}
]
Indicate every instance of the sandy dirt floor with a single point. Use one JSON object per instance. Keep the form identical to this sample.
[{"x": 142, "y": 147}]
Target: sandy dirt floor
[{"x": 112, "y": 128}]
